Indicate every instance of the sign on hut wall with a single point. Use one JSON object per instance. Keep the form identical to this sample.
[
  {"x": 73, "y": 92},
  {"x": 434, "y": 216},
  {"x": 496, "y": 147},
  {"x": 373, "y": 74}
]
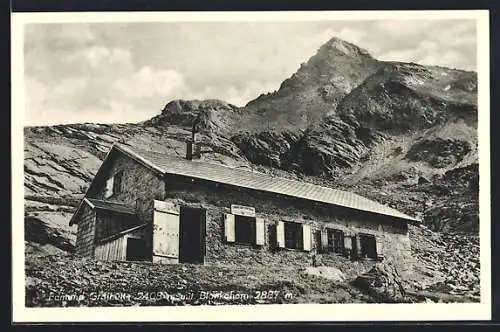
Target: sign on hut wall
[{"x": 242, "y": 210}]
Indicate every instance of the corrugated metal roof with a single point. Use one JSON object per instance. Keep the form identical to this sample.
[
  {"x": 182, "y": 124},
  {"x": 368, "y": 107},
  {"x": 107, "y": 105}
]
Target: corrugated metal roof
[
  {"x": 112, "y": 206},
  {"x": 258, "y": 181}
]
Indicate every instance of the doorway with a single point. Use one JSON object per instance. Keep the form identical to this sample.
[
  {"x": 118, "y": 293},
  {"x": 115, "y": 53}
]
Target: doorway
[
  {"x": 192, "y": 232},
  {"x": 136, "y": 249}
]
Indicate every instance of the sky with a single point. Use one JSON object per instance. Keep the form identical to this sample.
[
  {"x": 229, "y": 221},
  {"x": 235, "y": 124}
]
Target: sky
[{"x": 127, "y": 72}]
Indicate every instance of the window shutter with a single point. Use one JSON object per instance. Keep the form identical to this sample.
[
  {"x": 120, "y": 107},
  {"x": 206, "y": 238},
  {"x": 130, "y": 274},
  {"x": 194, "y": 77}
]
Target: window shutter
[
  {"x": 280, "y": 234},
  {"x": 324, "y": 241},
  {"x": 229, "y": 227},
  {"x": 109, "y": 187},
  {"x": 347, "y": 242},
  {"x": 357, "y": 238},
  {"x": 380, "y": 250},
  {"x": 306, "y": 237},
  {"x": 259, "y": 231}
]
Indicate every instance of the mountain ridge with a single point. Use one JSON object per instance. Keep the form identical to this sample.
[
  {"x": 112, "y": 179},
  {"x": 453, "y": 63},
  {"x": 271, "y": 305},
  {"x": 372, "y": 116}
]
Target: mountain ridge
[{"x": 390, "y": 131}]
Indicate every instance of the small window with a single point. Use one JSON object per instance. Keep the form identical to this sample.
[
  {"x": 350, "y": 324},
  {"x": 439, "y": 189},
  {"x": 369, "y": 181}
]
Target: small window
[
  {"x": 368, "y": 246},
  {"x": 335, "y": 240},
  {"x": 293, "y": 235},
  {"x": 117, "y": 183},
  {"x": 244, "y": 229},
  {"x": 113, "y": 185}
]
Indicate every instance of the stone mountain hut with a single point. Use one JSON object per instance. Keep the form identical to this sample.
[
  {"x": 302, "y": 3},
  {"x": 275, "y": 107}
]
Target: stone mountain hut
[{"x": 155, "y": 207}]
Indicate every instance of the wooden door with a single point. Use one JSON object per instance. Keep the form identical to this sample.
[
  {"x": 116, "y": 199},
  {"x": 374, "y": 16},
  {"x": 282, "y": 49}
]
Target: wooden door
[{"x": 165, "y": 233}]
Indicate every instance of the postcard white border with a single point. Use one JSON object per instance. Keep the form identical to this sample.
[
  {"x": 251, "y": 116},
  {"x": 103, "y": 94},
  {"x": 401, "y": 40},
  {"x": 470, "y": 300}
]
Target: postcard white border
[{"x": 282, "y": 312}]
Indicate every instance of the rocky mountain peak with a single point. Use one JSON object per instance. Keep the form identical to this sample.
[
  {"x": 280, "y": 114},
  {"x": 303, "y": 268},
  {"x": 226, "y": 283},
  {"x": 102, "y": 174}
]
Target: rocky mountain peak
[
  {"x": 336, "y": 46},
  {"x": 183, "y": 106},
  {"x": 316, "y": 88}
]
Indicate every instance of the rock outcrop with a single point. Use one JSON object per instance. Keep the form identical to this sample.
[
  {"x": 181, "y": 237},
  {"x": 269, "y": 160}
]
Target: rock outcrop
[
  {"x": 383, "y": 283},
  {"x": 440, "y": 152}
]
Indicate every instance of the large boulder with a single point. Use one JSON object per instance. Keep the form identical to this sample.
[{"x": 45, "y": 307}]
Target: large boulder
[
  {"x": 383, "y": 283},
  {"x": 327, "y": 272}
]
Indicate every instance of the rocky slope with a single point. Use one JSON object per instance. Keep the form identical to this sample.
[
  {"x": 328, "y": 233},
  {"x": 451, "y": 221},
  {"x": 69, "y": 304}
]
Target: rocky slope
[
  {"x": 66, "y": 281},
  {"x": 59, "y": 279},
  {"x": 400, "y": 133}
]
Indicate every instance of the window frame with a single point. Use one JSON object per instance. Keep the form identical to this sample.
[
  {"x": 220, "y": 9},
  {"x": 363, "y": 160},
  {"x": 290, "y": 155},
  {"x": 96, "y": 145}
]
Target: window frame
[
  {"x": 116, "y": 188},
  {"x": 251, "y": 227},
  {"x": 362, "y": 249},
  {"x": 299, "y": 240},
  {"x": 332, "y": 247},
  {"x": 117, "y": 182}
]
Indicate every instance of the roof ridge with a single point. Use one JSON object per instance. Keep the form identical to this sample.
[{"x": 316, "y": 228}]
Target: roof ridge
[{"x": 138, "y": 150}]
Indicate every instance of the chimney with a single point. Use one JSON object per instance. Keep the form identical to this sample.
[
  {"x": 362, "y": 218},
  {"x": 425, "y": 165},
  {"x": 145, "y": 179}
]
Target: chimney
[{"x": 193, "y": 150}]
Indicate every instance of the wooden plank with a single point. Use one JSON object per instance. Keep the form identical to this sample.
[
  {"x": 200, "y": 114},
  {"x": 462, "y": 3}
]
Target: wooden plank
[
  {"x": 98, "y": 250},
  {"x": 111, "y": 251},
  {"x": 119, "y": 248},
  {"x": 306, "y": 237},
  {"x": 92, "y": 232},
  {"x": 124, "y": 243},
  {"x": 105, "y": 251},
  {"x": 260, "y": 232},
  {"x": 280, "y": 234},
  {"x": 116, "y": 246},
  {"x": 111, "y": 255},
  {"x": 108, "y": 247},
  {"x": 166, "y": 234}
]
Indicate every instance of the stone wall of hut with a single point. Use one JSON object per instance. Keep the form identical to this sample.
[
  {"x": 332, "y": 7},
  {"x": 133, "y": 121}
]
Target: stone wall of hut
[
  {"x": 391, "y": 233},
  {"x": 140, "y": 186}
]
